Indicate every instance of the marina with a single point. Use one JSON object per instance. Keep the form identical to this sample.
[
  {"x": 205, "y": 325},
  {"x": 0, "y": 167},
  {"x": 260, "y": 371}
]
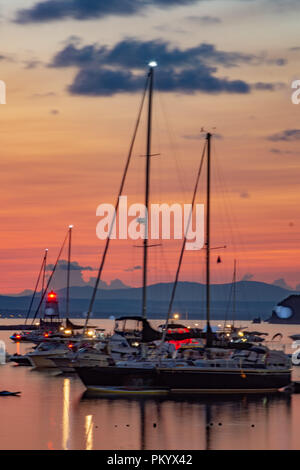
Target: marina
[
  {"x": 149, "y": 240},
  {"x": 53, "y": 412}
]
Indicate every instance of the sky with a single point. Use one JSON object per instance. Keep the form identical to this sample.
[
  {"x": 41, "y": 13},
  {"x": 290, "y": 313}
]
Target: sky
[{"x": 74, "y": 73}]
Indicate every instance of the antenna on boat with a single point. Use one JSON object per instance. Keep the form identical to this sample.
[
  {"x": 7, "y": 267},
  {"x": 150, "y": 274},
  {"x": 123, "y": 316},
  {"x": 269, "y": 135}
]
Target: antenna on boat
[
  {"x": 69, "y": 271},
  {"x": 152, "y": 66},
  {"x": 208, "y": 208}
]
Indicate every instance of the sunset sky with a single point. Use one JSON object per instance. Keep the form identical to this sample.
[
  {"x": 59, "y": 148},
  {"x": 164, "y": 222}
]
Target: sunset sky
[{"x": 74, "y": 72}]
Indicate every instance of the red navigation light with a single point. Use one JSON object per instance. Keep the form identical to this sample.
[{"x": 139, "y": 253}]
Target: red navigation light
[{"x": 52, "y": 295}]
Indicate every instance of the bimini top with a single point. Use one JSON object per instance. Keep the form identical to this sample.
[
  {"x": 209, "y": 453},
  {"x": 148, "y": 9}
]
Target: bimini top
[{"x": 137, "y": 318}]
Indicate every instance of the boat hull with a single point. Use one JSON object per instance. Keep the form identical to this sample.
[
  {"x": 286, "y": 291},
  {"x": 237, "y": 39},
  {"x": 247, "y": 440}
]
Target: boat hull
[
  {"x": 20, "y": 360},
  {"x": 183, "y": 380},
  {"x": 42, "y": 362}
]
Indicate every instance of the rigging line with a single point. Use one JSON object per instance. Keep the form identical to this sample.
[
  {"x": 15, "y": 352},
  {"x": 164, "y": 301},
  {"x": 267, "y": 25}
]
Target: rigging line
[
  {"x": 44, "y": 277},
  {"x": 235, "y": 233},
  {"x": 35, "y": 289},
  {"x": 228, "y": 305},
  {"x": 174, "y": 150},
  {"x": 116, "y": 206},
  {"x": 69, "y": 272},
  {"x": 183, "y": 246},
  {"x": 51, "y": 276}
]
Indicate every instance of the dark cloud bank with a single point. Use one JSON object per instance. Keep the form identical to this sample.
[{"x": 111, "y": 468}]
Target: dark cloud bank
[
  {"x": 104, "y": 71},
  {"x": 53, "y": 10}
]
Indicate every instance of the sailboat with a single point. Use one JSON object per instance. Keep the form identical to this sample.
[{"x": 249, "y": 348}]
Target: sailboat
[{"x": 250, "y": 368}]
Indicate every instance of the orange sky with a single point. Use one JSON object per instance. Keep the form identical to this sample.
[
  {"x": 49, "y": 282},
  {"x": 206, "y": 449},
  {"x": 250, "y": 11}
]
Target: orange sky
[{"x": 63, "y": 155}]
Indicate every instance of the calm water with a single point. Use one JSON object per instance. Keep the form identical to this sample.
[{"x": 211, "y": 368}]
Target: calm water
[{"x": 52, "y": 413}]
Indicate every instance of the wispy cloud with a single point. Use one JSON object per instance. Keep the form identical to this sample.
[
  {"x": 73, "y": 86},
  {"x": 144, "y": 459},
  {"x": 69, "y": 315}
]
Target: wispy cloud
[
  {"x": 282, "y": 283},
  {"x": 247, "y": 277},
  {"x": 133, "y": 268},
  {"x": 244, "y": 195},
  {"x": 53, "y": 10},
  {"x": 283, "y": 152},
  {"x": 74, "y": 266},
  {"x": 288, "y": 135},
  {"x": 204, "y": 20}
]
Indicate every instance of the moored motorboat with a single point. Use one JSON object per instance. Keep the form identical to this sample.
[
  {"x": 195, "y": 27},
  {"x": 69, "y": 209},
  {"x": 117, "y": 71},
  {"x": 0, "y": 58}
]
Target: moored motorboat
[
  {"x": 42, "y": 356},
  {"x": 257, "y": 370}
]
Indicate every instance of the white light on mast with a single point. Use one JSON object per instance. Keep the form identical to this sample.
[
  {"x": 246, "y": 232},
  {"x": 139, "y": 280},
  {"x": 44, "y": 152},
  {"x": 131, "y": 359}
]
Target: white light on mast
[{"x": 152, "y": 63}]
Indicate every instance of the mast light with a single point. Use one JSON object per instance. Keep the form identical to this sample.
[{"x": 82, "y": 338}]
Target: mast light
[{"x": 153, "y": 63}]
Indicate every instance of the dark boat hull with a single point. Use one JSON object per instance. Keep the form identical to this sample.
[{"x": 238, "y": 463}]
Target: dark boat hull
[
  {"x": 185, "y": 380},
  {"x": 20, "y": 360}
]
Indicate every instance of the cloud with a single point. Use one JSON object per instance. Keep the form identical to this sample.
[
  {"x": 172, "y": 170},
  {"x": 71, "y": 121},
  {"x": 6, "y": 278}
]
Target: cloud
[
  {"x": 74, "y": 266},
  {"x": 53, "y": 10},
  {"x": 105, "y": 82},
  {"x": 43, "y": 95},
  {"x": 133, "y": 53},
  {"x": 203, "y": 20},
  {"x": 283, "y": 152},
  {"x": 281, "y": 283},
  {"x": 134, "y": 268},
  {"x": 247, "y": 277},
  {"x": 31, "y": 64},
  {"x": 105, "y": 71},
  {"x": 289, "y": 135},
  {"x": 59, "y": 280},
  {"x": 261, "y": 86}
]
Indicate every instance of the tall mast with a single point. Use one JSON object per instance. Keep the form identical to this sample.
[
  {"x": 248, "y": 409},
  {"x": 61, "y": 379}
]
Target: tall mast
[
  {"x": 208, "y": 328},
  {"x": 147, "y": 187},
  {"x": 69, "y": 272},
  {"x": 44, "y": 274},
  {"x": 234, "y": 293}
]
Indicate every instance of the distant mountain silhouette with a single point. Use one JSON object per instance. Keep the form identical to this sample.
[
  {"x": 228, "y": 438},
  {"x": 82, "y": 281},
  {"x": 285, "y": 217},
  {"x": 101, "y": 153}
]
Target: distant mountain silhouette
[{"x": 252, "y": 299}]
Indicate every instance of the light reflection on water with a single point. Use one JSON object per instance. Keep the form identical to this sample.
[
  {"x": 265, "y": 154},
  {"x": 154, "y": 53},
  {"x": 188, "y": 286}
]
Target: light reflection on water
[
  {"x": 89, "y": 427},
  {"x": 53, "y": 413},
  {"x": 66, "y": 413}
]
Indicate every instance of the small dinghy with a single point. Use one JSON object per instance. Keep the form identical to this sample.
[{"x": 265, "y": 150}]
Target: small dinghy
[{"x": 5, "y": 393}]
